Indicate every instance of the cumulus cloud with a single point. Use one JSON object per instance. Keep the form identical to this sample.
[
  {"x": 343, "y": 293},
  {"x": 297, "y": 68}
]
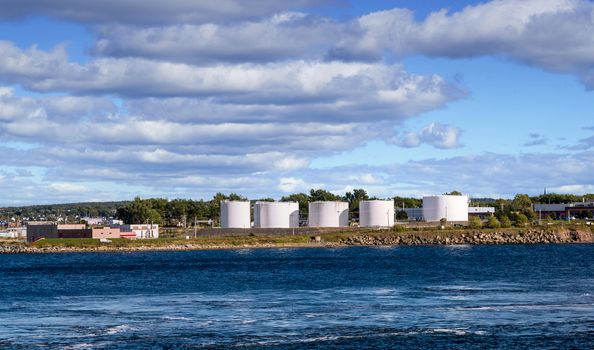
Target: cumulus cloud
[
  {"x": 333, "y": 85},
  {"x": 143, "y": 12},
  {"x": 435, "y": 134},
  {"x": 282, "y": 36},
  {"x": 291, "y": 184},
  {"x": 555, "y": 35}
]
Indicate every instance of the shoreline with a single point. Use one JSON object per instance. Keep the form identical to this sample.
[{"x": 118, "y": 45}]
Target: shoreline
[{"x": 367, "y": 238}]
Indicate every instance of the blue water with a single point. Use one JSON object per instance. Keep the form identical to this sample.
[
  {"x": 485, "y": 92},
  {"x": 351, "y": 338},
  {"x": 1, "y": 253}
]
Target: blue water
[{"x": 443, "y": 297}]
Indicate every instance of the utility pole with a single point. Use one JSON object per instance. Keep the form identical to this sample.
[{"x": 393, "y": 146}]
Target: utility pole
[{"x": 195, "y": 227}]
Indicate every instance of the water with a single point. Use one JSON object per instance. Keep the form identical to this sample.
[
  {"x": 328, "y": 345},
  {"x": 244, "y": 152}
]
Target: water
[{"x": 535, "y": 296}]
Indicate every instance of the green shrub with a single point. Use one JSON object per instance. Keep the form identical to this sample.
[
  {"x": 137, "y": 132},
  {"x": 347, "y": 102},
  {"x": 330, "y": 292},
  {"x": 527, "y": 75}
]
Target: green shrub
[
  {"x": 505, "y": 221},
  {"x": 492, "y": 222},
  {"x": 475, "y": 222},
  {"x": 399, "y": 228},
  {"x": 521, "y": 220}
]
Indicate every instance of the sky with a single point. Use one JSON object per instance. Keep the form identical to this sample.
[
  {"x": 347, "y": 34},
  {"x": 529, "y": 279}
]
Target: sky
[{"x": 113, "y": 99}]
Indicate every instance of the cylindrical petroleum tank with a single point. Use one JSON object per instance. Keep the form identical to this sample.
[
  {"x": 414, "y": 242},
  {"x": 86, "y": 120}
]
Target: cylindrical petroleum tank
[
  {"x": 235, "y": 214},
  {"x": 449, "y": 207},
  {"x": 375, "y": 213},
  {"x": 276, "y": 214},
  {"x": 328, "y": 214}
]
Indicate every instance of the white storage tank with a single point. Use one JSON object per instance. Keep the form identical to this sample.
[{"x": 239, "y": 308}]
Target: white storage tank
[
  {"x": 328, "y": 214},
  {"x": 376, "y": 213},
  {"x": 450, "y": 207},
  {"x": 235, "y": 214},
  {"x": 276, "y": 214}
]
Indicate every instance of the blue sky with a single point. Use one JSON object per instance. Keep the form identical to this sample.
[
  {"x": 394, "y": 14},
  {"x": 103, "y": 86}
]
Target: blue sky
[{"x": 110, "y": 100}]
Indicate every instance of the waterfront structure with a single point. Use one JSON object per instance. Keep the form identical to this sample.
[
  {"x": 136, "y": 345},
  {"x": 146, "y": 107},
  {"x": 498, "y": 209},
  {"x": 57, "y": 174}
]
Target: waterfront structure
[
  {"x": 328, "y": 214},
  {"x": 276, "y": 214},
  {"x": 44, "y": 229},
  {"x": 481, "y": 212},
  {"x": 14, "y": 232},
  {"x": 106, "y": 232},
  {"x": 416, "y": 214},
  {"x": 376, "y": 213},
  {"x": 453, "y": 208},
  {"x": 564, "y": 210},
  {"x": 235, "y": 214},
  {"x": 140, "y": 231}
]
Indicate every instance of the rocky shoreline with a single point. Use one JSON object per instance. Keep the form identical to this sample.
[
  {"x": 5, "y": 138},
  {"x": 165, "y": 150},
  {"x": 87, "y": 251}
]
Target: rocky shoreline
[
  {"x": 474, "y": 237},
  {"x": 379, "y": 238}
]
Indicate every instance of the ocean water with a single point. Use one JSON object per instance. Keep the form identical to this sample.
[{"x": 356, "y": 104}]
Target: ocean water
[{"x": 439, "y": 297}]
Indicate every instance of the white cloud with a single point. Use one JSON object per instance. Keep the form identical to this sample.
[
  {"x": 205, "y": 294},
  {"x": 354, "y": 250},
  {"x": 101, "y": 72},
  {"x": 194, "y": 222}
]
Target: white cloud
[
  {"x": 282, "y": 36},
  {"x": 436, "y": 134},
  {"x": 555, "y": 35},
  {"x": 68, "y": 187},
  {"x": 365, "y": 179},
  {"x": 291, "y": 184},
  {"x": 142, "y": 12}
]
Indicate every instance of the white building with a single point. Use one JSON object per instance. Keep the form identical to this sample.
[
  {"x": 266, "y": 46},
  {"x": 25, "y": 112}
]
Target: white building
[
  {"x": 328, "y": 214},
  {"x": 141, "y": 231},
  {"x": 376, "y": 213},
  {"x": 276, "y": 214},
  {"x": 450, "y": 207},
  {"x": 14, "y": 232},
  {"x": 93, "y": 221},
  {"x": 235, "y": 214}
]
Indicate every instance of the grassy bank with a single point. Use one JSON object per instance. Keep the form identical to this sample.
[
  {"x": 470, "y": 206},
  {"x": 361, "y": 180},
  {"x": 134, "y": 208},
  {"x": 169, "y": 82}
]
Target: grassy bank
[{"x": 328, "y": 238}]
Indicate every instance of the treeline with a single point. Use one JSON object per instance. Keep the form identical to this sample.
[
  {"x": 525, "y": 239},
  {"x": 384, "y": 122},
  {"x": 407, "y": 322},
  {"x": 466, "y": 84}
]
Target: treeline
[{"x": 69, "y": 211}]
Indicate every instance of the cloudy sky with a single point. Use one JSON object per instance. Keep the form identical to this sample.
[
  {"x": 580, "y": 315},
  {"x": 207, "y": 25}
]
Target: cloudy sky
[{"x": 106, "y": 100}]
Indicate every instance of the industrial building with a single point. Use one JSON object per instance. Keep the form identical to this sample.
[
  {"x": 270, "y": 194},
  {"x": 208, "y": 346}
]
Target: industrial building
[
  {"x": 376, "y": 213},
  {"x": 235, "y": 214},
  {"x": 141, "y": 231},
  {"x": 276, "y": 214},
  {"x": 481, "y": 212},
  {"x": 564, "y": 211},
  {"x": 14, "y": 232},
  {"x": 416, "y": 214},
  {"x": 44, "y": 229},
  {"x": 453, "y": 208},
  {"x": 328, "y": 214},
  {"x": 106, "y": 232}
]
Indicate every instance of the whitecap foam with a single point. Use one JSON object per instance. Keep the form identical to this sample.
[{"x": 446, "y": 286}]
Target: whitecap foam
[{"x": 118, "y": 329}]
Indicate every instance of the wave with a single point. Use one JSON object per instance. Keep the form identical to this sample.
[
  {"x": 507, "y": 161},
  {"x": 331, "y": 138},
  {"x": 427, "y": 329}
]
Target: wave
[{"x": 118, "y": 329}]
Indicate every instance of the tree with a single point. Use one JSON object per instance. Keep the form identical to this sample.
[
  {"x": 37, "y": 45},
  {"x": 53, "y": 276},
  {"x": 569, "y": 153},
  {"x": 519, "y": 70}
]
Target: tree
[
  {"x": 268, "y": 199},
  {"x": 521, "y": 220},
  {"x": 322, "y": 195},
  {"x": 521, "y": 202},
  {"x": 138, "y": 212},
  {"x": 453, "y": 193},
  {"x": 492, "y": 222},
  {"x": 505, "y": 221},
  {"x": 401, "y": 215},
  {"x": 354, "y": 198},
  {"x": 475, "y": 222},
  {"x": 407, "y": 202}
]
